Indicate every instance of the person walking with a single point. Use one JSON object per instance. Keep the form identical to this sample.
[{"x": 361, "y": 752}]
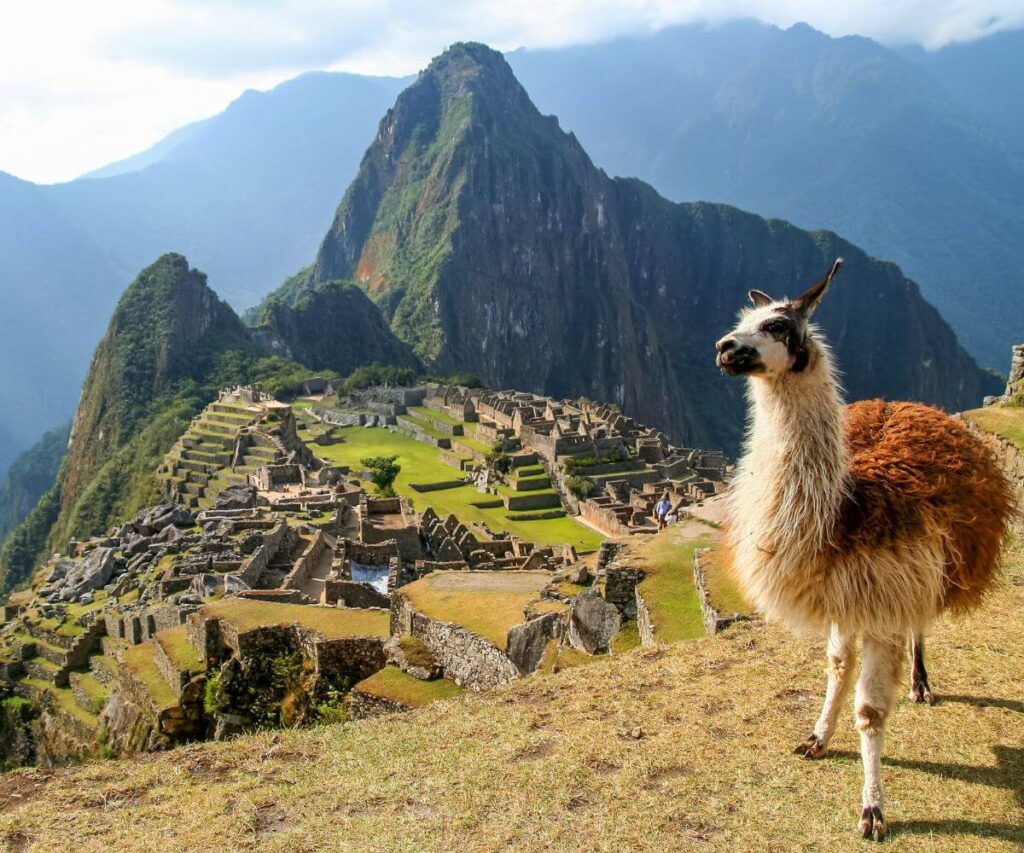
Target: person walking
[{"x": 661, "y": 511}]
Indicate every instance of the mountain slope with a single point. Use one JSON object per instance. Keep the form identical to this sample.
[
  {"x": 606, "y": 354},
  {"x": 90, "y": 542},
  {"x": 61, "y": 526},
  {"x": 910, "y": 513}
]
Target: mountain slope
[
  {"x": 332, "y": 326},
  {"x": 29, "y": 476},
  {"x": 841, "y": 134},
  {"x": 245, "y": 194},
  {"x": 493, "y": 244}
]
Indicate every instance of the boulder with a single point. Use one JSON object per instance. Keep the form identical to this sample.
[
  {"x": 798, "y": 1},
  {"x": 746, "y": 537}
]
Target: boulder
[
  {"x": 92, "y": 572},
  {"x": 236, "y": 497},
  {"x": 592, "y": 622},
  {"x": 207, "y": 583},
  {"x": 578, "y": 574},
  {"x": 526, "y": 643}
]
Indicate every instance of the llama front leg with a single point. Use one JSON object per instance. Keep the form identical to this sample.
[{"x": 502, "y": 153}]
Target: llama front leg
[
  {"x": 842, "y": 657},
  {"x": 920, "y": 689},
  {"x": 876, "y": 693}
]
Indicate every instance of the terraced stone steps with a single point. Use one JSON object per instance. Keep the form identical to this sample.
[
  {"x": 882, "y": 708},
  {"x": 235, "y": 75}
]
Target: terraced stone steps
[{"x": 89, "y": 694}]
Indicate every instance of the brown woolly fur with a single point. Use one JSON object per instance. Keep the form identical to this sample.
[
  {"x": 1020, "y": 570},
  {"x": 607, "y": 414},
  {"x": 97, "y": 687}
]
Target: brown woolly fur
[{"x": 914, "y": 468}]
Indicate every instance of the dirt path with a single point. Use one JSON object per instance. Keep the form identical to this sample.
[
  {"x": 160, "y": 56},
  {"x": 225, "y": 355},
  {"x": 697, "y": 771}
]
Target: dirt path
[{"x": 314, "y": 585}]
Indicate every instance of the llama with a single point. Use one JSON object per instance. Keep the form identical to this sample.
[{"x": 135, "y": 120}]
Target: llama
[{"x": 866, "y": 521}]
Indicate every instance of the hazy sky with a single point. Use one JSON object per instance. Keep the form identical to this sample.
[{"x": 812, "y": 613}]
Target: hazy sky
[{"x": 85, "y": 83}]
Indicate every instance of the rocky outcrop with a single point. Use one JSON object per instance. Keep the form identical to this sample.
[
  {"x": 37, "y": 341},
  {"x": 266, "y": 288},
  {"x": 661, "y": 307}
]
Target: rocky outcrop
[{"x": 593, "y": 622}]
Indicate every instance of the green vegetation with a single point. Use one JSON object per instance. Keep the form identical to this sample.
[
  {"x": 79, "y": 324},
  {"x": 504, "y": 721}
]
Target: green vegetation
[
  {"x": 628, "y": 638},
  {"x": 29, "y": 477},
  {"x": 723, "y": 594},
  {"x": 421, "y": 463},
  {"x": 486, "y": 603},
  {"x": 377, "y": 374},
  {"x": 383, "y": 471},
  {"x": 581, "y": 487},
  {"x": 416, "y": 652},
  {"x": 668, "y": 587},
  {"x": 332, "y": 622},
  {"x": 574, "y": 463},
  {"x": 394, "y": 685}
]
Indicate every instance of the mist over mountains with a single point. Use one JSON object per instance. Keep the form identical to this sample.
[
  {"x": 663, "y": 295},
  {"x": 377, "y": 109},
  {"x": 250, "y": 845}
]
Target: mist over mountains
[{"x": 912, "y": 155}]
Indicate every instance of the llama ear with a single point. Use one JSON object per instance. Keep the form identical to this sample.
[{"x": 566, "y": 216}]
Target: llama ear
[
  {"x": 759, "y": 298},
  {"x": 807, "y": 302}
]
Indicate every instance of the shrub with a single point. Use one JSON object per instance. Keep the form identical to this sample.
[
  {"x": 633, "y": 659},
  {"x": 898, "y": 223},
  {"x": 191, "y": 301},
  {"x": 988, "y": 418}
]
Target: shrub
[
  {"x": 211, "y": 702},
  {"x": 497, "y": 460},
  {"x": 581, "y": 487},
  {"x": 377, "y": 374},
  {"x": 383, "y": 470}
]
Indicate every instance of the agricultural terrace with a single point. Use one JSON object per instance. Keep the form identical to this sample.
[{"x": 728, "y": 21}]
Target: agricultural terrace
[
  {"x": 422, "y": 463},
  {"x": 333, "y": 622},
  {"x": 486, "y": 603}
]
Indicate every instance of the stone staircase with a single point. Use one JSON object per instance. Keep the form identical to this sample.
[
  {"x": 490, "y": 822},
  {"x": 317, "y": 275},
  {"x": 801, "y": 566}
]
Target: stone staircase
[{"x": 203, "y": 462}]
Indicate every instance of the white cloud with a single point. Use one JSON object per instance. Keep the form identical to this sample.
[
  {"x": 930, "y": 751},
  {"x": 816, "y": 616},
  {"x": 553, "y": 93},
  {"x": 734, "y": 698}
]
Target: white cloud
[{"x": 83, "y": 84}]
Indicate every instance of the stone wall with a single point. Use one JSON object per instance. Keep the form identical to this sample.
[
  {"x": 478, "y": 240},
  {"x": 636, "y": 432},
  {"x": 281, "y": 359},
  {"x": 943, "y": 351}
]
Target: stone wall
[
  {"x": 468, "y": 660},
  {"x": 620, "y": 588},
  {"x": 354, "y": 594},
  {"x": 306, "y": 562},
  {"x": 363, "y": 706},
  {"x": 254, "y": 567},
  {"x": 714, "y": 621}
]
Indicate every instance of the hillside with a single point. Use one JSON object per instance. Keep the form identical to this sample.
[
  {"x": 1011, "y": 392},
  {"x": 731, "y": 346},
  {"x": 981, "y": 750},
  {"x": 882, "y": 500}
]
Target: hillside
[
  {"x": 331, "y": 327},
  {"x": 31, "y": 474},
  {"x": 619, "y": 294},
  {"x": 673, "y": 747},
  {"x": 916, "y": 157}
]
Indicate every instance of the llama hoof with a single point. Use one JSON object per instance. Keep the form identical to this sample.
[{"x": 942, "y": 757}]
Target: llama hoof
[
  {"x": 813, "y": 747},
  {"x": 872, "y": 824},
  {"x": 921, "y": 695}
]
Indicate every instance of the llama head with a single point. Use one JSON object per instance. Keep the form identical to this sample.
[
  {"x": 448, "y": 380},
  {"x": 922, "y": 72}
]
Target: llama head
[{"x": 774, "y": 336}]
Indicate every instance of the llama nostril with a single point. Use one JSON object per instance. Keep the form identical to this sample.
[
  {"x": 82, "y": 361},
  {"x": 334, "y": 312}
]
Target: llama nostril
[{"x": 725, "y": 345}]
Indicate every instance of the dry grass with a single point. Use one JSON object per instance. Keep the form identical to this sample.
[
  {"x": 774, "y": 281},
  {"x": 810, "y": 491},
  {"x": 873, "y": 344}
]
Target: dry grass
[
  {"x": 396, "y": 685},
  {"x": 139, "y": 659},
  {"x": 486, "y": 603},
  {"x": 678, "y": 748},
  {"x": 178, "y": 648},
  {"x": 1006, "y": 421},
  {"x": 333, "y": 622}
]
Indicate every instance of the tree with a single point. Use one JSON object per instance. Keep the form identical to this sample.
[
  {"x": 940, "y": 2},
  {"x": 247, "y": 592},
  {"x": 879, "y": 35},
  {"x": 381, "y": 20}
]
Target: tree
[{"x": 383, "y": 470}]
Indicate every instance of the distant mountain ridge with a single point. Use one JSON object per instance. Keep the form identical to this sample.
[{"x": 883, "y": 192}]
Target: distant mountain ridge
[
  {"x": 491, "y": 243},
  {"x": 787, "y": 123}
]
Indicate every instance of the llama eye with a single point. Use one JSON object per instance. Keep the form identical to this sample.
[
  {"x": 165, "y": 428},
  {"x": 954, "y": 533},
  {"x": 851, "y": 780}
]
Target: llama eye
[{"x": 776, "y": 327}]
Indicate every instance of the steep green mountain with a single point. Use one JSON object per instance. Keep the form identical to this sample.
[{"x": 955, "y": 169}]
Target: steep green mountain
[
  {"x": 492, "y": 244},
  {"x": 332, "y": 326},
  {"x": 28, "y": 478},
  {"x": 919, "y": 162}
]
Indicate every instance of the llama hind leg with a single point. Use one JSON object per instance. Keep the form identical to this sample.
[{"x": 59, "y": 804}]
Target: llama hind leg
[
  {"x": 842, "y": 657},
  {"x": 920, "y": 689},
  {"x": 876, "y": 694}
]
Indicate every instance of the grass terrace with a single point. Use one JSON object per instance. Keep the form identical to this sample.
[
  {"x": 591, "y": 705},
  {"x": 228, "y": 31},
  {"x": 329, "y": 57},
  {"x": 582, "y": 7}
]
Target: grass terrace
[
  {"x": 1005, "y": 421},
  {"x": 393, "y": 684},
  {"x": 333, "y": 622},
  {"x": 139, "y": 661},
  {"x": 421, "y": 463},
  {"x": 176, "y": 645},
  {"x": 486, "y": 603},
  {"x": 723, "y": 593},
  {"x": 668, "y": 587}
]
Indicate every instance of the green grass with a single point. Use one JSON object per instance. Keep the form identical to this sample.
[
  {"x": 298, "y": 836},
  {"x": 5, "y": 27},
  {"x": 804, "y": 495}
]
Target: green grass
[
  {"x": 332, "y": 622},
  {"x": 398, "y": 686},
  {"x": 486, "y": 603},
  {"x": 1006, "y": 421},
  {"x": 176, "y": 645},
  {"x": 723, "y": 594},
  {"x": 421, "y": 463},
  {"x": 668, "y": 587},
  {"x": 139, "y": 661},
  {"x": 424, "y": 412},
  {"x": 627, "y": 638}
]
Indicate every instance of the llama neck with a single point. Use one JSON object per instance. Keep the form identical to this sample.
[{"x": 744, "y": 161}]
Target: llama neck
[{"x": 797, "y": 459}]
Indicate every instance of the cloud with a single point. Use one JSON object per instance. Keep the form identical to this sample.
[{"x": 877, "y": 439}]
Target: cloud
[{"x": 83, "y": 84}]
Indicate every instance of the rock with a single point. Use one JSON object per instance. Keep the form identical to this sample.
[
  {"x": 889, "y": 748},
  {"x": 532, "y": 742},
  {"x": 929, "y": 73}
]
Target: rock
[
  {"x": 236, "y": 497},
  {"x": 137, "y": 545},
  {"x": 579, "y": 574},
  {"x": 85, "y": 598},
  {"x": 58, "y": 571},
  {"x": 526, "y": 643},
  {"x": 92, "y": 572},
  {"x": 206, "y": 584},
  {"x": 426, "y": 668},
  {"x": 592, "y": 622}
]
